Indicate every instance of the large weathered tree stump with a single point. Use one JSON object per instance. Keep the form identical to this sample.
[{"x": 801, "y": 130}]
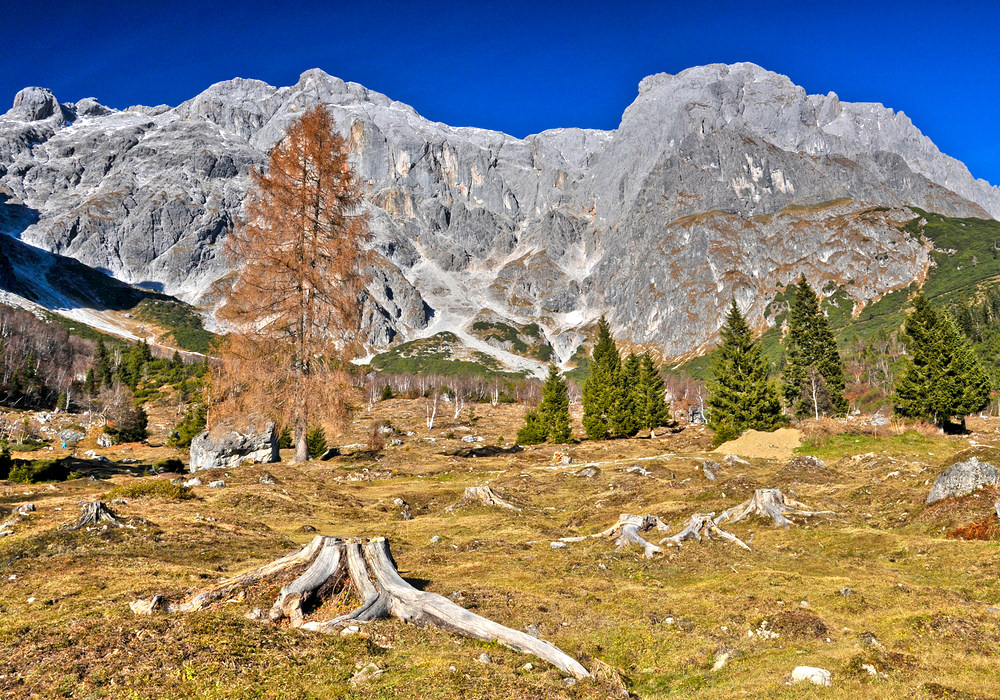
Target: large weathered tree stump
[
  {"x": 702, "y": 525},
  {"x": 626, "y": 532},
  {"x": 365, "y": 569},
  {"x": 483, "y": 495},
  {"x": 94, "y": 513},
  {"x": 770, "y": 504}
]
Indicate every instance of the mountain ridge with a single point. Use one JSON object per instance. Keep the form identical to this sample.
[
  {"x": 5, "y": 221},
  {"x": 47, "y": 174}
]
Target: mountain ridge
[{"x": 713, "y": 184}]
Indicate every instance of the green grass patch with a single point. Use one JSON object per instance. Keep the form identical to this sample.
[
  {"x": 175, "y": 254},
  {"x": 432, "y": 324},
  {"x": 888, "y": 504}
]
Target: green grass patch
[
  {"x": 908, "y": 444},
  {"x": 182, "y": 320}
]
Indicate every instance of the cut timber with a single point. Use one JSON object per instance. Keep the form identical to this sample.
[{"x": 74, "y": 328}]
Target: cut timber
[
  {"x": 335, "y": 566},
  {"x": 486, "y": 496},
  {"x": 702, "y": 525},
  {"x": 626, "y": 532},
  {"x": 95, "y": 513},
  {"x": 769, "y": 504}
]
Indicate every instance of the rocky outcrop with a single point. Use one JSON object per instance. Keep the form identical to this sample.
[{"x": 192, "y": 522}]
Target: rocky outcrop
[
  {"x": 233, "y": 443},
  {"x": 721, "y": 182},
  {"x": 963, "y": 478}
]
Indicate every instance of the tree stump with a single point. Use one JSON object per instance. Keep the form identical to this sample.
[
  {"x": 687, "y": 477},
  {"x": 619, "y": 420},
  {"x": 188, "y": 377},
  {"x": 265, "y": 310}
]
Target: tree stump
[
  {"x": 364, "y": 568},
  {"x": 702, "y": 525},
  {"x": 483, "y": 495},
  {"x": 626, "y": 532},
  {"x": 769, "y": 504},
  {"x": 95, "y": 513}
]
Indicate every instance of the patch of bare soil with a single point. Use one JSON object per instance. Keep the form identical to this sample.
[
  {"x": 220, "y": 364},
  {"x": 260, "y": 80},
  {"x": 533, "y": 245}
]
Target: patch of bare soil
[{"x": 780, "y": 444}]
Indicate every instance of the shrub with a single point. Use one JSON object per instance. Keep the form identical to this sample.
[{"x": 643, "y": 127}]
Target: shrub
[
  {"x": 316, "y": 441},
  {"x": 39, "y": 470},
  {"x": 285, "y": 438},
  {"x": 152, "y": 488},
  {"x": 376, "y": 438}
]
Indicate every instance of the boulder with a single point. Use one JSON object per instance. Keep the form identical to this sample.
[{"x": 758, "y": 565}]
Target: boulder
[
  {"x": 105, "y": 440},
  {"x": 33, "y": 104},
  {"x": 71, "y": 435},
  {"x": 816, "y": 676},
  {"x": 963, "y": 478},
  {"x": 233, "y": 443}
]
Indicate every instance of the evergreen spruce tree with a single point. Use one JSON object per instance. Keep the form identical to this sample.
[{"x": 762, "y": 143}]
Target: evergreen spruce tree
[
  {"x": 941, "y": 376},
  {"x": 316, "y": 441},
  {"x": 741, "y": 397},
  {"x": 626, "y": 413},
  {"x": 602, "y": 389},
  {"x": 654, "y": 412},
  {"x": 105, "y": 371},
  {"x": 814, "y": 372},
  {"x": 551, "y": 418}
]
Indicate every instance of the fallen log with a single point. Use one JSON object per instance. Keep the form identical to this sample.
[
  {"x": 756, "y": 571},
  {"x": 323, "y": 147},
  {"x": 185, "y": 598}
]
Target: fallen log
[
  {"x": 364, "y": 567},
  {"x": 702, "y": 525},
  {"x": 770, "y": 504}
]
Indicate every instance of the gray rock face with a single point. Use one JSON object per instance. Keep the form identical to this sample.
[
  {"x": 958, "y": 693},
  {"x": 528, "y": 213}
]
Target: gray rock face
[
  {"x": 229, "y": 446},
  {"x": 33, "y": 104},
  {"x": 963, "y": 478},
  {"x": 70, "y": 435},
  {"x": 721, "y": 182}
]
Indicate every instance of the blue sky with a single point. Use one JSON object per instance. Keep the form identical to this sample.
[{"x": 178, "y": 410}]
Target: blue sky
[{"x": 522, "y": 67}]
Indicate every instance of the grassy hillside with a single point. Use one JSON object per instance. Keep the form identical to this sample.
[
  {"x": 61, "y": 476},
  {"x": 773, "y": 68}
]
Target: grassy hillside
[
  {"x": 441, "y": 354},
  {"x": 877, "y": 583}
]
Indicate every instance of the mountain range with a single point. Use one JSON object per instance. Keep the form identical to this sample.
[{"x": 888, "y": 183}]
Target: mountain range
[{"x": 721, "y": 182}]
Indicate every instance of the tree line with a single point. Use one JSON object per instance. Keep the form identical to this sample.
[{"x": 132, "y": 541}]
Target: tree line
[{"x": 939, "y": 379}]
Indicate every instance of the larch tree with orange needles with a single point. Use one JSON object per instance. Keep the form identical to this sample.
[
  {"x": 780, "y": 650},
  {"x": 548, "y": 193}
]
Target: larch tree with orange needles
[{"x": 294, "y": 301}]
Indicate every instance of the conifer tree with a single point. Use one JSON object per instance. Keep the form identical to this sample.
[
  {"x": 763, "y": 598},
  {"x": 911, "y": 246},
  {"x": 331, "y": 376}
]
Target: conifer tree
[
  {"x": 299, "y": 254},
  {"x": 551, "y": 418},
  {"x": 741, "y": 397},
  {"x": 941, "y": 376},
  {"x": 814, "y": 372},
  {"x": 104, "y": 365},
  {"x": 654, "y": 410},
  {"x": 626, "y": 413},
  {"x": 602, "y": 389}
]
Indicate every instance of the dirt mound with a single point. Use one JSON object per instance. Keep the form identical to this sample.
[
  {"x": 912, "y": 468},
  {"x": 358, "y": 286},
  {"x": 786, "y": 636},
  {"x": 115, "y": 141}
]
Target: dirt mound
[
  {"x": 807, "y": 470},
  {"x": 780, "y": 444}
]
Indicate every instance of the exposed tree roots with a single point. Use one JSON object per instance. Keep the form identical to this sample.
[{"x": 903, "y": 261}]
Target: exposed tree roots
[
  {"x": 770, "y": 504},
  {"x": 94, "y": 513},
  {"x": 483, "y": 495},
  {"x": 702, "y": 525},
  {"x": 365, "y": 568},
  {"x": 626, "y": 532}
]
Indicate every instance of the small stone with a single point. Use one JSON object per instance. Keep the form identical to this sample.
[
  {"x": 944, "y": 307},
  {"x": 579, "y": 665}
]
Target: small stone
[
  {"x": 804, "y": 604},
  {"x": 267, "y": 479},
  {"x": 349, "y": 630},
  {"x": 399, "y": 502},
  {"x": 255, "y": 614},
  {"x": 816, "y": 676},
  {"x": 484, "y": 658},
  {"x": 435, "y": 539},
  {"x": 367, "y": 673},
  {"x": 31, "y": 600},
  {"x": 193, "y": 482},
  {"x": 527, "y": 667},
  {"x": 451, "y": 668},
  {"x": 586, "y": 472},
  {"x": 993, "y": 610},
  {"x": 558, "y": 545},
  {"x": 220, "y": 484},
  {"x": 721, "y": 659},
  {"x": 568, "y": 682},
  {"x": 24, "y": 509},
  {"x": 872, "y": 671},
  {"x": 845, "y": 592},
  {"x": 602, "y": 567},
  {"x": 455, "y": 595},
  {"x": 533, "y": 631},
  {"x": 307, "y": 528}
]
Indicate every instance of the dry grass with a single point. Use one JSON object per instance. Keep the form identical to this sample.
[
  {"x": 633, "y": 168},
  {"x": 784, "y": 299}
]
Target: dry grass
[{"x": 661, "y": 623}]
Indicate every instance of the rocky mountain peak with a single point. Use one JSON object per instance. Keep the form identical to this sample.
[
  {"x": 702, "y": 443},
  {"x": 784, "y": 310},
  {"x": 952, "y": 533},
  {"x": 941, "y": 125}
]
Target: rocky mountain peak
[
  {"x": 721, "y": 182},
  {"x": 34, "y": 104}
]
